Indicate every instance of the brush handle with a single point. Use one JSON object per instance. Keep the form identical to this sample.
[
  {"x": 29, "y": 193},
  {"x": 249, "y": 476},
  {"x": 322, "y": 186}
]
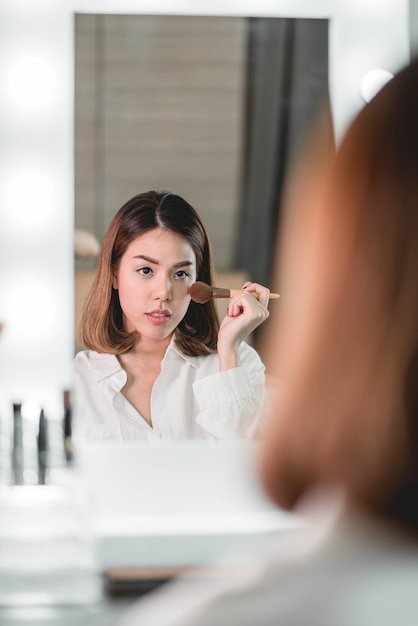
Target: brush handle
[
  {"x": 235, "y": 292},
  {"x": 220, "y": 292}
]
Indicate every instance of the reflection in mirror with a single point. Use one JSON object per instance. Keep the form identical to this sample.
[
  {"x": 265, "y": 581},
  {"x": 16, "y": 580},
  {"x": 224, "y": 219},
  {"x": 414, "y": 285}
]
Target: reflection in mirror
[{"x": 212, "y": 108}]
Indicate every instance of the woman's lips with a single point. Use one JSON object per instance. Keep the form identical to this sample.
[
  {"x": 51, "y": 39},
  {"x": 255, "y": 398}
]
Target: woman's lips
[{"x": 159, "y": 317}]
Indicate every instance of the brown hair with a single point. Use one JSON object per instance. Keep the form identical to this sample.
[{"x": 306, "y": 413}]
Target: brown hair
[
  {"x": 348, "y": 341},
  {"x": 101, "y": 328}
]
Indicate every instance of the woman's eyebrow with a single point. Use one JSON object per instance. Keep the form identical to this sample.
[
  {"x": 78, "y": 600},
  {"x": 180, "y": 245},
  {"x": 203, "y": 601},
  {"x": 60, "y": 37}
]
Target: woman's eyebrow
[
  {"x": 155, "y": 262},
  {"x": 146, "y": 258}
]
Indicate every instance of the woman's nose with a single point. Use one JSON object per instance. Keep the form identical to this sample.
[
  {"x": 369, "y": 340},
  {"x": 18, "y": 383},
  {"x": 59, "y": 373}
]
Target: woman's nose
[{"x": 164, "y": 289}]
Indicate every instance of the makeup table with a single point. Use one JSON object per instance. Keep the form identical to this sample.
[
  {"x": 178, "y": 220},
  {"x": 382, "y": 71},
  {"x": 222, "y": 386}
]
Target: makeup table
[{"x": 182, "y": 505}]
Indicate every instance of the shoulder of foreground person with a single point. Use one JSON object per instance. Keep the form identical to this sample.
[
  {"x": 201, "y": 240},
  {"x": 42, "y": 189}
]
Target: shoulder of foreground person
[{"x": 360, "y": 574}]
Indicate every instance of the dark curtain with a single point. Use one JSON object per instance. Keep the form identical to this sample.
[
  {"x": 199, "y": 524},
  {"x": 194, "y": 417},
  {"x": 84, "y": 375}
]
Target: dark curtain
[{"x": 287, "y": 84}]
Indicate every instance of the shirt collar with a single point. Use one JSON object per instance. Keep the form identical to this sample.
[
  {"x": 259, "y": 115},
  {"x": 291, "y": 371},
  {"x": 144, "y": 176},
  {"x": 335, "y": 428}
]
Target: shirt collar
[
  {"x": 172, "y": 347},
  {"x": 105, "y": 365}
]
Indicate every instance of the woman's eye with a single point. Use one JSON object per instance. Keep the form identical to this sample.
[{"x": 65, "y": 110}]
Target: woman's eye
[
  {"x": 182, "y": 274},
  {"x": 145, "y": 271}
]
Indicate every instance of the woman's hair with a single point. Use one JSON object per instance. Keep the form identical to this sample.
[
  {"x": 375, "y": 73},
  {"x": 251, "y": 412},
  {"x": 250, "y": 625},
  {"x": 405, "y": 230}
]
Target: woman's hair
[
  {"x": 346, "y": 349},
  {"x": 101, "y": 326}
]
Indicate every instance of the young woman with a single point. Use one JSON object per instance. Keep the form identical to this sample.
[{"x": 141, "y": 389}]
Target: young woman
[{"x": 157, "y": 364}]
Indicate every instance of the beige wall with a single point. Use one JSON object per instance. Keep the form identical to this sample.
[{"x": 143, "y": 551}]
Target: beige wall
[{"x": 160, "y": 104}]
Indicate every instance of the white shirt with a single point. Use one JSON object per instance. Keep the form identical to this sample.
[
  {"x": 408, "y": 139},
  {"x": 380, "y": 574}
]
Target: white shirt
[{"x": 191, "y": 398}]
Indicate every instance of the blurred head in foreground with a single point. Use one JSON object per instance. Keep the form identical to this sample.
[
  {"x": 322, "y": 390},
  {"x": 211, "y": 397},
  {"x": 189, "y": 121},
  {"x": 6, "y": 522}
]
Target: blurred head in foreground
[{"x": 346, "y": 346}]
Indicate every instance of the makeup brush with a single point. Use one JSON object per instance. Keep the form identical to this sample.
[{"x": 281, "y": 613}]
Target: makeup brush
[{"x": 201, "y": 292}]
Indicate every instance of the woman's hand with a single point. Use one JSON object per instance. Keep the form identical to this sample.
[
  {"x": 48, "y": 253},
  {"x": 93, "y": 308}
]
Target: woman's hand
[{"x": 245, "y": 313}]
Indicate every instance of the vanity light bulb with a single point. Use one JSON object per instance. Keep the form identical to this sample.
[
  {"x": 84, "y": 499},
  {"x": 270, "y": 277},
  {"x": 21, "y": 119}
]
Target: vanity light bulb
[
  {"x": 372, "y": 82},
  {"x": 31, "y": 310},
  {"x": 30, "y": 198},
  {"x": 32, "y": 82}
]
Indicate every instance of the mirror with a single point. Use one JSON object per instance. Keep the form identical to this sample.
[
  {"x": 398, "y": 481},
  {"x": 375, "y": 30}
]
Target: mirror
[{"x": 212, "y": 107}]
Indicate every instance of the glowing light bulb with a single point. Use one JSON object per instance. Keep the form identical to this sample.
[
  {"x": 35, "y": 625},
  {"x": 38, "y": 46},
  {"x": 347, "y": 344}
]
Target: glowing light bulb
[
  {"x": 30, "y": 198},
  {"x": 31, "y": 309},
  {"x": 372, "y": 83},
  {"x": 32, "y": 82}
]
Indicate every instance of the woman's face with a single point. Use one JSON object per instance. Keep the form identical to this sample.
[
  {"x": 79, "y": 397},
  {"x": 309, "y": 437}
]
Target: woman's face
[{"x": 153, "y": 280}]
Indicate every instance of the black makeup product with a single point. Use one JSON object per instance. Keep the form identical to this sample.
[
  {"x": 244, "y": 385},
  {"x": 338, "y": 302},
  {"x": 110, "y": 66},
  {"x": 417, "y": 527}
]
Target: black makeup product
[
  {"x": 17, "y": 445},
  {"x": 42, "y": 442},
  {"x": 67, "y": 426}
]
